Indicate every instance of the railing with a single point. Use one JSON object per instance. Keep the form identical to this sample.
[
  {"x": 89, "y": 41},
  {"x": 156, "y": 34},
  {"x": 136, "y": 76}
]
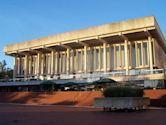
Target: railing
[
  {"x": 91, "y": 76},
  {"x": 122, "y": 73},
  {"x": 147, "y": 71}
]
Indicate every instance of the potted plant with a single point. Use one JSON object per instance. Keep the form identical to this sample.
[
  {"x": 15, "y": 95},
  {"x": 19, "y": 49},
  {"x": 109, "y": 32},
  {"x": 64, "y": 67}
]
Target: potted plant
[{"x": 122, "y": 97}]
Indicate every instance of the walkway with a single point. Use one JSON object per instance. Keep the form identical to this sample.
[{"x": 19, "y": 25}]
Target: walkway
[{"x": 12, "y": 114}]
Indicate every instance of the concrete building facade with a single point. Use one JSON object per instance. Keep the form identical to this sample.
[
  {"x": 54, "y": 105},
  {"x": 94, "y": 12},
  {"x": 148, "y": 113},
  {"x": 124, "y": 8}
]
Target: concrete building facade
[{"x": 132, "y": 50}]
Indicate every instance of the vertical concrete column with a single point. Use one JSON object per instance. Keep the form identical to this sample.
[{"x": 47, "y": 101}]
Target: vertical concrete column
[
  {"x": 76, "y": 61},
  {"x": 136, "y": 54},
  {"x": 60, "y": 63},
  {"x": 38, "y": 64},
  {"x": 26, "y": 66},
  {"x": 99, "y": 58},
  {"x": 72, "y": 62},
  {"x": 142, "y": 53},
  {"x": 130, "y": 64},
  {"x": 33, "y": 65},
  {"x": 85, "y": 59},
  {"x": 30, "y": 65},
  {"x": 91, "y": 59},
  {"x": 41, "y": 73},
  {"x": 52, "y": 62},
  {"x": 44, "y": 64},
  {"x": 55, "y": 67},
  {"x": 19, "y": 66},
  {"x": 81, "y": 63},
  {"x": 115, "y": 62},
  {"x": 120, "y": 55},
  {"x": 126, "y": 57},
  {"x": 94, "y": 58},
  {"x": 56, "y": 62},
  {"x": 105, "y": 57},
  {"x": 109, "y": 57},
  {"x": 49, "y": 64},
  {"x": 65, "y": 62},
  {"x": 15, "y": 67},
  {"x": 68, "y": 61},
  {"x": 150, "y": 53}
]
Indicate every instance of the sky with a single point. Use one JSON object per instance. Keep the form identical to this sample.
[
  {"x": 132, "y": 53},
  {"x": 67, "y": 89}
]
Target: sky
[{"x": 22, "y": 20}]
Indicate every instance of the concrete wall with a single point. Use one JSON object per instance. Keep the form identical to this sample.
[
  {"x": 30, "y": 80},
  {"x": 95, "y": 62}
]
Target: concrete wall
[
  {"x": 84, "y": 33},
  {"x": 157, "y": 97},
  {"x": 160, "y": 56}
]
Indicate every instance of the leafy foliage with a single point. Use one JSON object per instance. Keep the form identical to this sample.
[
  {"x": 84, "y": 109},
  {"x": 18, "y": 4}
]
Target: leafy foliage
[
  {"x": 5, "y": 72},
  {"x": 3, "y": 66},
  {"x": 123, "y": 92}
]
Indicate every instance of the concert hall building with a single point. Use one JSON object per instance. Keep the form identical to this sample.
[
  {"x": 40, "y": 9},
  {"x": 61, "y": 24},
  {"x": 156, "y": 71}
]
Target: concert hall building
[{"x": 127, "y": 51}]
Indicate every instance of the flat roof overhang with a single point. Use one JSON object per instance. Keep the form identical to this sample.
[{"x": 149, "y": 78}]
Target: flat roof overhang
[{"x": 135, "y": 29}]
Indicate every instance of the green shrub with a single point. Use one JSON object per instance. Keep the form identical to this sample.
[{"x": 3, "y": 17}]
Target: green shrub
[{"x": 123, "y": 92}]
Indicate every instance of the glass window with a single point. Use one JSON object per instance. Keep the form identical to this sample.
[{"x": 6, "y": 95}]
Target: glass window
[
  {"x": 117, "y": 56},
  {"x": 122, "y": 56},
  {"x": 133, "y": 55},
  {"x": 145, "y": 56},
  {"x": 97, "y": 59},
  {"x": 139, "y": 54},
  {"x": 101, "y": 58}
]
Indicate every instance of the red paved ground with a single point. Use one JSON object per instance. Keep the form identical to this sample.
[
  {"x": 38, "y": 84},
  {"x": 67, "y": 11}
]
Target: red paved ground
[
  {"x": 11, "y": 114},
  {"x": 77, "y": 98}
]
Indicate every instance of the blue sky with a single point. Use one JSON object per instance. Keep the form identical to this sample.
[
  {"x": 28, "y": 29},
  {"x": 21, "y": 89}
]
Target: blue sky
[{"x": 22, "y": 20}]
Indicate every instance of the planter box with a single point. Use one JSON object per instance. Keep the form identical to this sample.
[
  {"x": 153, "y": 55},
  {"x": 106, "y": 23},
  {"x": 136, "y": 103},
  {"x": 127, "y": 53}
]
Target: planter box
[{"x": 122, "y": 103}]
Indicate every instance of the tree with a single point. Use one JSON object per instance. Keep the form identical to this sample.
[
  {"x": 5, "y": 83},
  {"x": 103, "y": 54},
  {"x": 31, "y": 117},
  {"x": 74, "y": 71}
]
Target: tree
[
  {"x": 5, "y": 72},
  {"x": 3, "y": 66}
]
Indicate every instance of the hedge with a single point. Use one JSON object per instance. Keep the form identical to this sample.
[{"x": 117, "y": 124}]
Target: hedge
[{"x": 123, "y": 92}]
